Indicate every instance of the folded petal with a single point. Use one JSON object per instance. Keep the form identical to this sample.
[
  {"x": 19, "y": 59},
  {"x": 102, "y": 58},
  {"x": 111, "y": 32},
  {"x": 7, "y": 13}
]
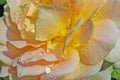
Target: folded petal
[
  {"x": 82, "y": 71},
  {"x": 52, "y": 19},
  {"x": 103, "y": 40}
]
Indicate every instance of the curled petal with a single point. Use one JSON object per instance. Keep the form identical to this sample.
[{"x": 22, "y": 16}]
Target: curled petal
[
  {"x": 19, "y": 47},
  {"x": 106, "y": 31},
  {"x": 36, "y": 55},
  {"x": 52, "y": 19},
  {"x": 105, "y": 35}
]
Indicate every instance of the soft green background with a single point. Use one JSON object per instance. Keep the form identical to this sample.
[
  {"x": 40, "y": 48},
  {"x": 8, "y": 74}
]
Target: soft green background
[{"x": 2, "y": 2}]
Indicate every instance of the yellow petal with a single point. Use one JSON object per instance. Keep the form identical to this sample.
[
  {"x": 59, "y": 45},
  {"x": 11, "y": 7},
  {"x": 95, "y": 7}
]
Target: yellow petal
[
  {"x": 52, "y": 19},
  {"x": 90, "y": 7},
  {"x": 76, "y": 7}
]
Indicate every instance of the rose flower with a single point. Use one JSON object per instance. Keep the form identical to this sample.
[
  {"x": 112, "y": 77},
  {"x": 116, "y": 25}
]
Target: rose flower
[{"x": 56, "y": 39}]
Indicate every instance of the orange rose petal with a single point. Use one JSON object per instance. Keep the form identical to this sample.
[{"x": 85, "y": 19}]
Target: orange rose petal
[
  {"x": 12, "y": 31},
  {"x": 76, "y": 7},
  {"x": 39, "y": 54},
  {"x": 52, "y": 19},
  {"x": 18, "y": 51},
  {"x": 84, "y": 32},
  {"x": 105, "y": 34},
  {"x": 24, "y": 43},
  {"x": 59, "y": 2}
]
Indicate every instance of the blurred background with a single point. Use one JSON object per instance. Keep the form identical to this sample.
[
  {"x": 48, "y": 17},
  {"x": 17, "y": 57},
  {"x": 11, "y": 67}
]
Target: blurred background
[{"x": 2, "y": 3}]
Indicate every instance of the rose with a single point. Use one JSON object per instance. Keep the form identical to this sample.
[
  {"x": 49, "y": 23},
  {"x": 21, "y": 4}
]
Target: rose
[{"x": 50, "y": 39}]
